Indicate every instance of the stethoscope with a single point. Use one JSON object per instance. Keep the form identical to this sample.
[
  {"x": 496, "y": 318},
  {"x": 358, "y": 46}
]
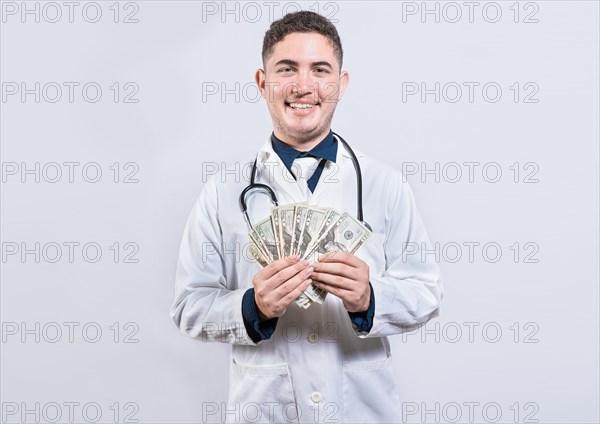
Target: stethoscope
[{"x": 271, "y": 193}]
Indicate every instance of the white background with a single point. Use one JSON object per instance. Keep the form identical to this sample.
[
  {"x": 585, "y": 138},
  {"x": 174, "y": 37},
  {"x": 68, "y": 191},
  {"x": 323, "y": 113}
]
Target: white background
[{"x": 173, "y": 55}]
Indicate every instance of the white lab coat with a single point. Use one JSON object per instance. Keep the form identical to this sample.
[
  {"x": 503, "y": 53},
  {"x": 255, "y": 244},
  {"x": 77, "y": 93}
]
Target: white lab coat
[{"x": 316, "y": 367}]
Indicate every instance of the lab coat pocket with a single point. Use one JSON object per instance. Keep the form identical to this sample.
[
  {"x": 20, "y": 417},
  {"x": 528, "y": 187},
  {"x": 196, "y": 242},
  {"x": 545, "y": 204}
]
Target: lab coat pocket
[
  {"x": 369, "y": 392},
  {"x": 260, "y": 394}
]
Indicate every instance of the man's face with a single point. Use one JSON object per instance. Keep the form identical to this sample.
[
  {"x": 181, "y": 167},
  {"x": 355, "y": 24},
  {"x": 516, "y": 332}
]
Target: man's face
[{"x": 302, "y": 84}]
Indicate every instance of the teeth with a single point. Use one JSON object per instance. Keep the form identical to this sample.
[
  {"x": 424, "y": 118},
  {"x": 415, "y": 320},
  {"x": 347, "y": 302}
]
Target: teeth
[{"x": 301, "y": 105}]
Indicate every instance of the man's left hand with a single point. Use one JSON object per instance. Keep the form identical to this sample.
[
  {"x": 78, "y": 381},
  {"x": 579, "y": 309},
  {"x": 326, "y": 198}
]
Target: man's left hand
[{"x": 345, "y": 276}]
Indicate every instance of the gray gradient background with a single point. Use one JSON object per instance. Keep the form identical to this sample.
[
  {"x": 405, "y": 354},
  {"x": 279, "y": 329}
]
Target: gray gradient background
[{"x": 171, "y": 132}]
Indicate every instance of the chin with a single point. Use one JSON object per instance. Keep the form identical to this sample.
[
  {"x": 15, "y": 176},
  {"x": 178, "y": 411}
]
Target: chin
[
  {"x": 305, "y": 135},
  {"x": 305, "y": 128}
]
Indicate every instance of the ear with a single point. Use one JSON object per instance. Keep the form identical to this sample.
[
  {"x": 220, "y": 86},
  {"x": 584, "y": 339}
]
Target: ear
[
  {"x": 260, "y": 79},
  {"x": 344, "y": 81}
]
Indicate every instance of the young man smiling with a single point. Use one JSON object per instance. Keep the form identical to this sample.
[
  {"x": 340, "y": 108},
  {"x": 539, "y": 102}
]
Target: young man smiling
[
  {"x": 302, "y": 82},
  {"x": 332, "y": 361}
]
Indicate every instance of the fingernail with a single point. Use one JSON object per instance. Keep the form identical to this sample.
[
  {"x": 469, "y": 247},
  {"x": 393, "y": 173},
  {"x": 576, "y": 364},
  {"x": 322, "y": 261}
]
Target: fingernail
[
  {"x": 308, "y": 270},
  {"x": 304, "y": 262}
]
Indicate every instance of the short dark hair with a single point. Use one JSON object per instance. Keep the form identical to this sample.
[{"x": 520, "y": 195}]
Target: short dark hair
[{"x": 303, "y": 21}]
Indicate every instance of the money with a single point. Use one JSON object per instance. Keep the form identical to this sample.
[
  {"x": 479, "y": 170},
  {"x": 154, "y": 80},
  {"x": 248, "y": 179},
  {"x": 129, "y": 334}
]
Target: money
[
  {"x": 329, "y": 219},
  {"x": 307, "y": 231},
  {"x": 286, "y": 222},
  {"x": 276, "y": 230},
  {"x": 308, "y": 234},
  {"x": 264, "y": 229},
  {"x": 303, "y": 301},
  {"x": 258, "y": 255},
  {"x": 346, "y": 234},
  {"x": 255, "y": 239},
  {"x": 299, "y": 215}
]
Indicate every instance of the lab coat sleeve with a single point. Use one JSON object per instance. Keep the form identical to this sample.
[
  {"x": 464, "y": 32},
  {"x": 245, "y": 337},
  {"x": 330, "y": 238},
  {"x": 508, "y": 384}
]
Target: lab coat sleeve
[
  {"x": 204, "y": 308},
  {"x": 409, "y": 292}
]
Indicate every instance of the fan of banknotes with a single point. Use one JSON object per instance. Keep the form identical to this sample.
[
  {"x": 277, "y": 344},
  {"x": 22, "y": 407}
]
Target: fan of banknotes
[{"x": 307, "y": 231}]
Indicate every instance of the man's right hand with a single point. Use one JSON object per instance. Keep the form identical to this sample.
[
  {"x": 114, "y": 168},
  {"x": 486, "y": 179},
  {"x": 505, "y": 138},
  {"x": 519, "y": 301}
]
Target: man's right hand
[{"x": 279, "y": 284}]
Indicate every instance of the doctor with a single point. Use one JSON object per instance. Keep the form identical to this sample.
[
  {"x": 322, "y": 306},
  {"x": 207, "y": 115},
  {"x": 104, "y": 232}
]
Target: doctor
[{"x": 331, "y": 362}]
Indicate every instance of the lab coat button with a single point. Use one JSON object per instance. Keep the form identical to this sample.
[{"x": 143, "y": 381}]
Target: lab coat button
[
  {"x": 315, "y": 397},
  {"x": 313, "y": 337}
]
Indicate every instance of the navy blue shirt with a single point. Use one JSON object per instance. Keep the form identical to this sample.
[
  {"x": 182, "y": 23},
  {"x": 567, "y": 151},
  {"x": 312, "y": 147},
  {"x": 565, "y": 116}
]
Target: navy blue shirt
[
  {"x": 263, "y": 329},
  {"x": 325, "y": 150}
]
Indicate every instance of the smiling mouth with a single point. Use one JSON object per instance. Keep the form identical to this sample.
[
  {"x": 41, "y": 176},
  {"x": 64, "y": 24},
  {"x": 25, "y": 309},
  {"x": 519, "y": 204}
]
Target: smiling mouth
[{"x": 296, "y": 105}]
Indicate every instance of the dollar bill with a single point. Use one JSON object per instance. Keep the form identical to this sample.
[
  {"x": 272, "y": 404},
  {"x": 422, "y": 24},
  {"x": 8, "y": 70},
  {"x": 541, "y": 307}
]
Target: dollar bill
[
  {"x": 254, "y": 238},
  {"x": 315, "y": 294},
  {"x": 303, "y": 301},
  {"x": 286, "y": 222},
  {"x": 331, "y": 215},
  {"x": 276, "y": 229},
  {"x": 346, "y": 234},
  {"x": 264, "y": 229},
  {"x": 313, "y": 220},
  {"x": 323, "y": 219},
  {"x": 257, "y": 255},
  {"x": 299, "y": 215}
]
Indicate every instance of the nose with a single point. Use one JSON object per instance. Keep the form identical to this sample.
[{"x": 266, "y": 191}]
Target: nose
[{"x": 303, "y": 84}]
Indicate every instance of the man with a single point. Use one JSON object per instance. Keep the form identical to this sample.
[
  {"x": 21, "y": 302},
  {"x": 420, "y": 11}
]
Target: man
[{"x": 332, "y": 361}]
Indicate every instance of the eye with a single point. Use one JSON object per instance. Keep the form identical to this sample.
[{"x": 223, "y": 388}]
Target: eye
[
  {"x": 286, "y": 69},
  {"x": 321, "y": 70}
]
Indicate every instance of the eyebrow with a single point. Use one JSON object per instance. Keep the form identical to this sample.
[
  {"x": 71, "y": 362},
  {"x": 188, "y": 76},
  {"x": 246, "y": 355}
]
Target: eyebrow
[{"x": 294, "y": 63}]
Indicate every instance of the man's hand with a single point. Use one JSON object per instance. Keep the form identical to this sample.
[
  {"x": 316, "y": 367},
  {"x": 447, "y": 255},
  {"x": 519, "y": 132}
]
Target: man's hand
[
  {"x": 279, "y": 284},
  {"x": 345, "y": 276}
]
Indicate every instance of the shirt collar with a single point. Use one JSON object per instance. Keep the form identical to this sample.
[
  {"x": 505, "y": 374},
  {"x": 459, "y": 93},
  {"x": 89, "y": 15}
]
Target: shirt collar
[
  {"x": 326, "y": 149},
  {"x": 267, "y": 154}
]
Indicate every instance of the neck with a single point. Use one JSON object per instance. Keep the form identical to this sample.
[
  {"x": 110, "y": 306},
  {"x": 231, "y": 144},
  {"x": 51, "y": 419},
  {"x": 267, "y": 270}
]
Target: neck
[{"x": 301, "y": 144}]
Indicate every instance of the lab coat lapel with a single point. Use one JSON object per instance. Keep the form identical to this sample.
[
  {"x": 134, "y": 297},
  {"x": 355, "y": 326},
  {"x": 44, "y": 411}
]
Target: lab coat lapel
[{"x": 274, "y": 173}]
